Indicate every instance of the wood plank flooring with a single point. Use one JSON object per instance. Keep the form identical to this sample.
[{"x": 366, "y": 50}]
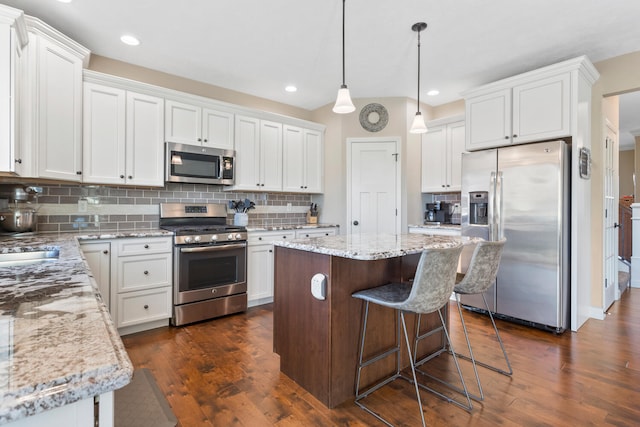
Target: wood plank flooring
[{"x": 224, "y": 373}]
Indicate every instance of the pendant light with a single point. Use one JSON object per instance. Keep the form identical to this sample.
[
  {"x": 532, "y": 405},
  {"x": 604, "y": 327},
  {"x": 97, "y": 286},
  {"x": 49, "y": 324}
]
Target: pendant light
[
  {"x": 343, "y": 102},
  {"x": 418, "y": 125}
]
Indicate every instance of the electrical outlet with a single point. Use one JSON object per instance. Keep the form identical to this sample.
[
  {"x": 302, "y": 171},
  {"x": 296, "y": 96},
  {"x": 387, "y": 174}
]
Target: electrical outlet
[
  {"x": 456, "y": 208},
  {"x": 288, "y": 207},
  {"x": 82, "y": 205}
]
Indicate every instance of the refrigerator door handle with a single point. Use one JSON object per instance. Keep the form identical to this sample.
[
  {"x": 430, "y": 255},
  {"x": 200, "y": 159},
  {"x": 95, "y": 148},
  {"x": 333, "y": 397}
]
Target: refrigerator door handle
[
  {"x": 498, "y": 215},
  {"x": 491, "y": 206}
]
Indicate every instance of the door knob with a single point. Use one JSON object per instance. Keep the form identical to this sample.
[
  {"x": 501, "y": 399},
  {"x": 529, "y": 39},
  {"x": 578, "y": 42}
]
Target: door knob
[
  {"x": 616, "y": 225},
  {"x": 355, "y": 222}
]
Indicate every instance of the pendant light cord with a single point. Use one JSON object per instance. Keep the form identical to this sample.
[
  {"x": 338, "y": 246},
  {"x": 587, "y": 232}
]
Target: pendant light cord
[
  {"x": 343, "y": 73},
  {"x": 419, "y": 31}
]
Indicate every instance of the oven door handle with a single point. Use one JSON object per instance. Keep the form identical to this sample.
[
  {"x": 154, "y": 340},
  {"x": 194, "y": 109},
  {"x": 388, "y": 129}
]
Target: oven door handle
[{"x": 213, "y": 248}]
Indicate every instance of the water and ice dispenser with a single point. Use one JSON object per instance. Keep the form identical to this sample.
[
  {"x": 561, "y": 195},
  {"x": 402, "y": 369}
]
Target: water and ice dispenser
[{"x": 478, "y": 207}]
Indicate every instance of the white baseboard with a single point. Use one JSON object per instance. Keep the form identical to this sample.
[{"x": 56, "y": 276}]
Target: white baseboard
[{"x": 596, "y": 313}]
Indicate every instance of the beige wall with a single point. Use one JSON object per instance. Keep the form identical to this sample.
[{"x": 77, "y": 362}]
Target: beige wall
[
  {"x": 617, "y": 75},
  {"x": 158, "y": 78},
  {"x": 626, "y": 160}
]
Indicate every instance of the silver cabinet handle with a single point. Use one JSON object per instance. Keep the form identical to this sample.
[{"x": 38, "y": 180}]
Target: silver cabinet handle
[{"x": 213, "y": 248}]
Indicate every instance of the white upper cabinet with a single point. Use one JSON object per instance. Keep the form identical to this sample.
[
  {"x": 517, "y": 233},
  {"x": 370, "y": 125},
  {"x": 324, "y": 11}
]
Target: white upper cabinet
[
  {"x": 11, "y": 22},
  {"x": 144, "y": 140},
  {"x": 442, "y": 148},
  {"x": 534, "y": 106},
  {"x": 196, "y": 125},
  {"x": 258, "y": 154},
  {"x": 123, "y": 137},
  {"x": 53, "y": 101},
  {"x": 302, "y": 160}
]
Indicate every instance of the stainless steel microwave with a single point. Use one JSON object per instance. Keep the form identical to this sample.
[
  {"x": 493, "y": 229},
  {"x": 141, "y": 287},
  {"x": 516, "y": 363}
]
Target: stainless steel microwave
[{"x": 201, "y": 165}]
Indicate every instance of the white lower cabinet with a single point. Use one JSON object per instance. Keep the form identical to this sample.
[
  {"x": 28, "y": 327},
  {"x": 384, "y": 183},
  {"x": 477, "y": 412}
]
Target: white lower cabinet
[
  {"x": 260, "y": 265},
  {"x": 260, "y": 259},
  {"x": 98, "y": 256},
  {"x": 139, "y": 281}
]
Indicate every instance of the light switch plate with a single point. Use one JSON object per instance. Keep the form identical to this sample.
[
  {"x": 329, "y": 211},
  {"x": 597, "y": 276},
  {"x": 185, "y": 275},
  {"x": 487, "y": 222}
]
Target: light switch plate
[{"x": 319, "y": 286}]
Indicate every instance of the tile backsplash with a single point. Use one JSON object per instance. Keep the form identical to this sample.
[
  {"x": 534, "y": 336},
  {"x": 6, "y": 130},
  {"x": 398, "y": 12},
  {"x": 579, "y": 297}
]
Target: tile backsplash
[
  {"x": 130, "y": 208},
  {"x": 449, "y": 198}
]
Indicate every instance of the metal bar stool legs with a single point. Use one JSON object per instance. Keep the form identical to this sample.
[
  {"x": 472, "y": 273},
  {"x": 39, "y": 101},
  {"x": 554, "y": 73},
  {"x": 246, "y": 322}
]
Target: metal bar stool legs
[
  {"x": 471, "y": 357},
  {"x": 394, "y": 350},
  {"x": 464, "y": 390}
]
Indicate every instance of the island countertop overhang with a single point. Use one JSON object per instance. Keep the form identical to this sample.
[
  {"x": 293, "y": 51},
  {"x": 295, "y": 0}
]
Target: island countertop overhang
[{"x": 370, "y": 247}]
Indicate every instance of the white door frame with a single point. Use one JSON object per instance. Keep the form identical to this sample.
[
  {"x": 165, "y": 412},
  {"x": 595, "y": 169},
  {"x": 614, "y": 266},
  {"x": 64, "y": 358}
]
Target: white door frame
[
  {"x": 397, "y": 140},
  {"x": 610, "y": 217}
]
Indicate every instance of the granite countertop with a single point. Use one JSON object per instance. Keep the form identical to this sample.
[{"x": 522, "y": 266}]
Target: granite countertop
[
  {"x": 374, "y": 246},
  {"x": 289, "y": 227},
  {"x": 451, "y": 226},
  {"x": 58, "y": 344}
]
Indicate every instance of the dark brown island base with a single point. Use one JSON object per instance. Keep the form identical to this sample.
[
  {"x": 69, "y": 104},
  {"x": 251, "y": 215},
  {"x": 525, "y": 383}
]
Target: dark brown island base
[{"x": 318, "y": 339}]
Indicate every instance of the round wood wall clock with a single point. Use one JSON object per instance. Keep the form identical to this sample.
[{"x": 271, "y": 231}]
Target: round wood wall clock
[{"x": 374, "y": 117}]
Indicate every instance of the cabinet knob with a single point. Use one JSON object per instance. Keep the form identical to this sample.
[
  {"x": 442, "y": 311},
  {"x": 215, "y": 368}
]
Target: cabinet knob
[
  {"x": 259, "y": 238},
  {"x": 448, "y": 185},
  {"x": 121, "y": 176},
  {"x": 146, "y": 273},
  {"x": 130, "y": 177},
  {"x": 515, "y": 136},
  {"x": 506, "y": 137},
  {"x": 199, "y": 139},
  {"x": 206, "y": 140},
  {"x": 19, "y": 161},
  {"x": 78, "y": 172},
  {"x": 146, "y": 306},
  {"x": 326, "y": 234},
  {"x": 442, "y": 185},
  {"x": 262, "y": 185},
  {"x": 146, "y": 246},
  {"x": 284, "y": 237},
  {"x": 105, "y": 252},
  {"x": 355, "y": 222},
  {"x": 306, "y": 235},
  {"x": 270, "y": 250},
  {"x": 302, "y": 186}
]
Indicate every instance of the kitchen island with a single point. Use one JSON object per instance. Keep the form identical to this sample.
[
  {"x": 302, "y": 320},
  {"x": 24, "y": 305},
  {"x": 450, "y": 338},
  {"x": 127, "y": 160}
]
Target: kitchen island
[
  {"x": 58, "y": 345},
  {"x": 317, "y": 339}
]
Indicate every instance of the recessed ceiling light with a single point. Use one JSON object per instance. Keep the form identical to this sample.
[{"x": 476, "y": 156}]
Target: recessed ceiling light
[
  {"x": 291, "y": 88},
  {"x": 130, "y": 40},
  {"x": 433, "y": 92},
  {"x": 65, "y": 1}
]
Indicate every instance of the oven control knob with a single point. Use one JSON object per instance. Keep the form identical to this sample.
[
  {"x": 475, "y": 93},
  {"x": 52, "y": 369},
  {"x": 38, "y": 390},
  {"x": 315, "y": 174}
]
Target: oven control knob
[
  {"x": 214, "y": 237},
  {"x": 230, "y": 237},
  {"x": 238, "y": 236},
  {"x": 188, "y": 239},
  {"x": 196, "y": 239}
]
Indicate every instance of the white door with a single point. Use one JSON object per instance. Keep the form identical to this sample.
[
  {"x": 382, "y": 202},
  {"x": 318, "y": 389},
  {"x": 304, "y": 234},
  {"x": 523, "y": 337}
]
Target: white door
[
  {"x": 610, "y": 219},
  {"x": 372, "y": 192}
]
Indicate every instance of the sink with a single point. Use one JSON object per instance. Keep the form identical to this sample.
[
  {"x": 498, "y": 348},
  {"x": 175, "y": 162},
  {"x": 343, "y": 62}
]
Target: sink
[{"x": 27, "y": 258}]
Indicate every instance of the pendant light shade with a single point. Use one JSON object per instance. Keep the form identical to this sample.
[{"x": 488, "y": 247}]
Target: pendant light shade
[
  {"x": 418, "y": 125},
  {"x": 343, "y": 102}
]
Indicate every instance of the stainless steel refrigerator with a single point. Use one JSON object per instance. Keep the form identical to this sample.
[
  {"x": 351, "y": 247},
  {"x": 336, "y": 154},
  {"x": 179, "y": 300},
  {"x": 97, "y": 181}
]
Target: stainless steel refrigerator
[{"x": 522, "y": 193}]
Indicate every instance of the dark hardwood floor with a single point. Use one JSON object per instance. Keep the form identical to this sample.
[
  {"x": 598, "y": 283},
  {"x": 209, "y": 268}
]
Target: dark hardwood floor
[{"x": 224, "y": 373}]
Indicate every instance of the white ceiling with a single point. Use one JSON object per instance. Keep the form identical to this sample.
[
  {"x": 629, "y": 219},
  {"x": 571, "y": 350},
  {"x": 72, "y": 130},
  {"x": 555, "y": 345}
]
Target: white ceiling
[{"x": 259, "y": 47}]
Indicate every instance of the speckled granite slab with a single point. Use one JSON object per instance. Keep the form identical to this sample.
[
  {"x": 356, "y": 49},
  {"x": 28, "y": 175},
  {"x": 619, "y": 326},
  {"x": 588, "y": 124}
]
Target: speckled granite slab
[
  {"x": 58, "y": 344},
  {"x": 374, "y": 246},
  {"x": 290, "y": 227},
  {"x": 448, "y": 226}
]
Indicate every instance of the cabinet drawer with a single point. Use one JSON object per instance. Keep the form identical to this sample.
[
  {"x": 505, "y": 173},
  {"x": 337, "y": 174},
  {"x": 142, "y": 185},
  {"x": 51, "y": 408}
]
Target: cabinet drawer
[
  {"x": 144, "y": 306},
  {"x": 144, "y": 246},
  {"x": 315, "y": 232},
  {"x": 261, "y": 238},
  {"x": 144, "y": 272}
]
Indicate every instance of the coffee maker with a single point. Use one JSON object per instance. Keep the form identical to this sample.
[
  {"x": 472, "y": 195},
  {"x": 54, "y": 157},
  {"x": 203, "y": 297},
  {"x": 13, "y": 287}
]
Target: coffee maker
[{"x": 438, "y": 212}]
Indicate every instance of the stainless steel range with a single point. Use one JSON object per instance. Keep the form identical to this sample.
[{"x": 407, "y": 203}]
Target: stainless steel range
[{"x": 209, "y": 261}]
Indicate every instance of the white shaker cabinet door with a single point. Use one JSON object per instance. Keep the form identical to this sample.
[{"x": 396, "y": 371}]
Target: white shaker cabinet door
[
  {"x": 293, "y": 159},
  {"x": 434, "y": 159},
  {"x": 271, "y": 156},
  {"x": 456, "y": 137},
  {"x": 59, "y": 112},
  {"x": 488, "y": 120},
  {"x": 104, "y": 134},
  {"x": 183, "y": 123},
  {"x": 313, "y": 161},
  {"x": 145, "y": 142},
  {"x": 247, "y": 130},
  {"x": 217, "y": 129}
]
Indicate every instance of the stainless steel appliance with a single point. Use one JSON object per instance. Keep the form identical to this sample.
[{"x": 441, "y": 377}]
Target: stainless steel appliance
[
  {"x": 209, "y": 261},
  {"x": 522, "y": 193},
  {"x": 200, "y": 165}
]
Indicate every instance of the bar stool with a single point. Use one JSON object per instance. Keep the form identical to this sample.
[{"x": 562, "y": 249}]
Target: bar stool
[
  {"x": 430, "y": 291},
  {"x": 479, "y": 277}
]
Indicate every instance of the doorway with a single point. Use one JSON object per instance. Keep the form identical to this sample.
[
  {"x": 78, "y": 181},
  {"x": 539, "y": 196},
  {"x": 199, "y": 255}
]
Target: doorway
[{"x": 373, "y": 185}]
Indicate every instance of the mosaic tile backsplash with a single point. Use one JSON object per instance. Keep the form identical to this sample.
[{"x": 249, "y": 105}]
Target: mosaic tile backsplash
[{"x": 130, "y": 208}]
